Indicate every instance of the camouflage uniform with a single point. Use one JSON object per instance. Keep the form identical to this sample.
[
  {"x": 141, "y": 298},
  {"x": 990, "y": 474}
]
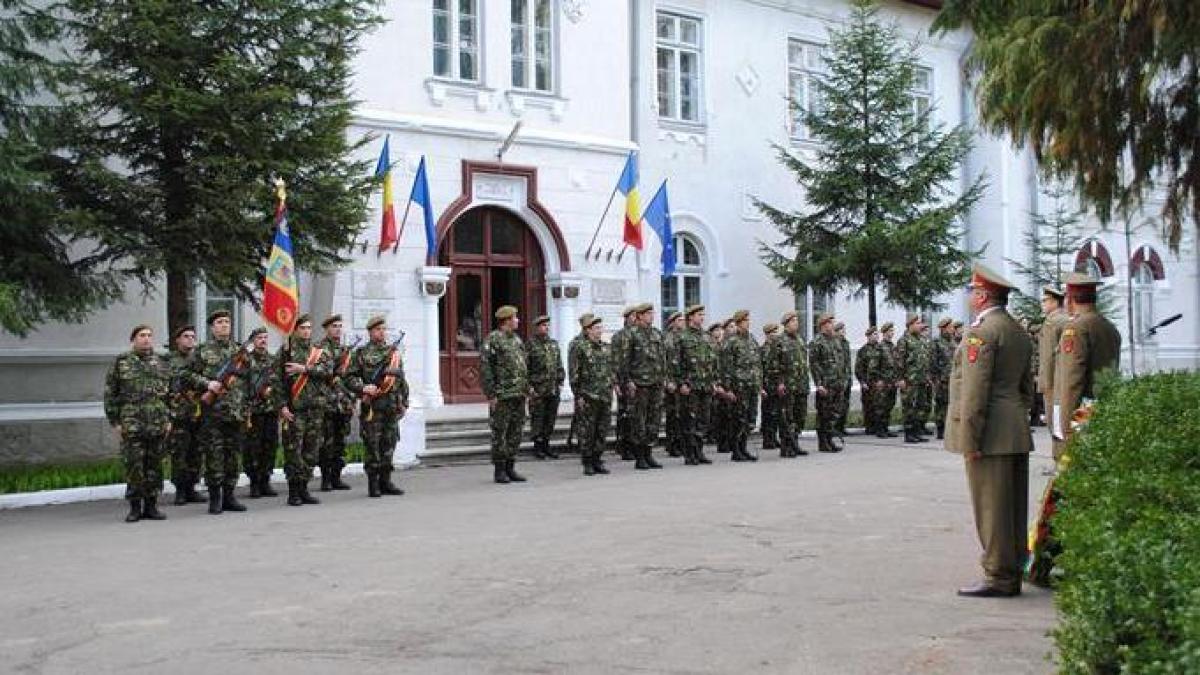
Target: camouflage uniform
[
  {"x": 913, "y": 363},
  {"x": 135, "y": 397},
  {"x": 184, "y": 439},
  {"x": 886, "y": 397},
  {"x": 671, "y": 402},
  {"x": 786, "y": 365},
  {"x": 771, "y": 411},
  {"x": 741, "y": 374},
  {"x": 505, "y": 379},
  {"x": 379, "y": 417},
  {"x": 870, "y": 370},
  {"x": 303, "y": 436},
  {"x": 262, "y": 425},
  {"x": 546, "y": 376},
  {"x": 943, "y": 361},
  {"x": 847, "y": 386},
  {"x": 339, "y": 412},
  {"x": 222, "y": 423},
  {"x": 694, "y": 364},
  {"x": 592, "y": 385},
  {"x": 643, "y": 364},
  {"x": 617, "y": 347},
  {"x": 828, "y": 371}
]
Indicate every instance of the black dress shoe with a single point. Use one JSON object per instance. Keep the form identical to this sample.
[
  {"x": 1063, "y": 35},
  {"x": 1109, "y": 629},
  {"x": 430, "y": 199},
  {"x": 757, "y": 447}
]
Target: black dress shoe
[{"x": 986, "y": 590}]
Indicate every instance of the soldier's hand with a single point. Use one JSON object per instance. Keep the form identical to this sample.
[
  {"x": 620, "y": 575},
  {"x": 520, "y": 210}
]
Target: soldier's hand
[
  {"x": 821, "y": 391},
  {"x": 287, "y": 414},
  {"x": 370, "y": 390},
  {"x": 631, "y": 389},
  {"x": 168, "y": 431},
  {"x": 780, "y": 390},
  {"x": 117, "y": 428},
  {"x": 685, "y": 390},
  {"x": 902, "y": 385},
  {"x": 215, "y": 387},
  {"x": 294, "y": 368}
]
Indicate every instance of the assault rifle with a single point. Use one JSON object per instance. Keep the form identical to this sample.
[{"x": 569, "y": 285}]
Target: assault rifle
[
  {"x": 233, "y": 366},
  {"x": 380, "y": 373}
]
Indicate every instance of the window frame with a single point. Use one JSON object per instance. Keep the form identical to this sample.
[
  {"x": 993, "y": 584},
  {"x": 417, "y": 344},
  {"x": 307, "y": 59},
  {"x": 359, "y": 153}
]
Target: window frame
[
  {"x": 676, "y": 46},
  {"x": 200, "y": 298},
  {"x": 684, "y": 271},
  {"x": 916, "y": 95},
  {"x": 1143, "y": 285},
  {"x": 797, "y": 130},
  {"x": 530, "y": 44},
  {"x": 454, "y": 46}
]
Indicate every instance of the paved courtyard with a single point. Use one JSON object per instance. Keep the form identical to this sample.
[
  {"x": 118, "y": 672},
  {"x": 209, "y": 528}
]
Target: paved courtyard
[{"x": 823, "y": 564}]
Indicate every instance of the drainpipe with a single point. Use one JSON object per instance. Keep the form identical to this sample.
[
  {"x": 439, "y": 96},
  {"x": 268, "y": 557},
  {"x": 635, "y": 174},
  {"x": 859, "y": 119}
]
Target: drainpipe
[{"x": 634, "y": 68}]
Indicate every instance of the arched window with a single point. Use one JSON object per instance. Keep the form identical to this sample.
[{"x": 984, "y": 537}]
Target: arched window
[
  {"x": 1093, "y": 259},
  {"x": 1143, "y": 299},
  {"x": 686, "y": 288}
]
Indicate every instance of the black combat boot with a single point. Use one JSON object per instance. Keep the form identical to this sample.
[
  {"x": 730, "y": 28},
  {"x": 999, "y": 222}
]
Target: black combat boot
[
  {"x": 823, "y": 444},
  {"x": 229, "y": 501},
  {"x": 194, "y": 497},
  {"x": 294, "y": 493},
  {"x": 639, "y": 454},
  {"x": 881, "y": 431},
  {"x": 625, "y": 451},
  {"x": 538, "y": 453},
  {"x": 181, "y": 494},
  {"x": 305, "y": 495},
  {"x": 255, "y": 488},
  {"x": 941, "y": 430},
  {"x": 373, "y": 485},
  {"x": 510, "y": 468},
  {"x": 701, "y": 458},
  {"x": 648, "y": 455},
  {"x": 264, "y": 486},
  {"x": 335, "y": 479},
  {"x": 548, "y": 450},
  {"x": 214, "y": 500},
  {"x": 746, "y": 454},
  {"x": 598, "y": 466},
  {"x": 135, "y": 511},
  {"x": 500, "y": 475},
  {"x": 689, "y": 452},
  {"x": 386, "y": 486},
  {"x": 326, "y": 477},
  {"x": 150, "y": 509},
  {"x": 797, "y": 451},
  {"x": 910, "y": 435},
  {"x": 589, "y": 467}
]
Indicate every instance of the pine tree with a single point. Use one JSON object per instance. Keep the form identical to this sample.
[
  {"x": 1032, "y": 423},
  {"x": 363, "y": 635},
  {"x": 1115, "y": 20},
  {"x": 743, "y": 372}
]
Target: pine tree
[
  {"x": 195, "y": 108},
  {"x": 881, "y": 212},
  {"x": 1051, "y": 240}
]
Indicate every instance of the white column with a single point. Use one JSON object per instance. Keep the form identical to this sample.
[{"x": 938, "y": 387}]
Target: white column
[
  {"x": 432, "y": 282},
  {"x": 564, "y": 294}
]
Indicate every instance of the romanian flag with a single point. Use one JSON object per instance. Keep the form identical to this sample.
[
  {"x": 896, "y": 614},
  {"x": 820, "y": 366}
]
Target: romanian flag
[
  {"x": 281, "y": 296},
  {"x": 627, "y": 186},
  {"x": 383, "y": 171}
]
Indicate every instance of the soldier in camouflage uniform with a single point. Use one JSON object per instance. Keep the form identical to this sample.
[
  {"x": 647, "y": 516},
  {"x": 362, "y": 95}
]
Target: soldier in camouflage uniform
[
  {"x": 135, "y": 403},
  {"x": 546, "y": 376},
  {"x": 617, "y": 348},
  {"x": 829, "y": 377},
  {"x": 716, "y": 336},
  {"x": 785, "y": 379},
  {"x": 770, "y": 402},
  {"x": 943, "y": 362},
  {"x": 867, "y": 363},
  {"x": 300, "y": 377},
  {"x": 839, "y": 331},
  {"x": 889, "y": 373},
  {"x": 693, "y": 369},
  {"x": 675, "y": 326},
  {"x": 641, "y": 372},
  {"x": 723, "y": 403},
  {"x": 376, "y": 375},
  {"x": 183, "y": 442},
  {"x": 741, "y": 375},
  {"x": 913, "y": 363},
  {"x": 262, "y": 421},
  {"x": 339, "y": 407},
  {"x": 222, "y": 422},
  {"x": 505, "y": 381},
  {"x": 592, "y": 385}
]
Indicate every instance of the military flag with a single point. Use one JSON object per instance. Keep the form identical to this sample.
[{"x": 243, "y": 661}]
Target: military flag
[
  {"x": 281, "y": 295},
  {"x": 383, "y": 171}
]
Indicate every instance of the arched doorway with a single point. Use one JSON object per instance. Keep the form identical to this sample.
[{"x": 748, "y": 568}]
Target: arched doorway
[{"x": 494, "y": 260}]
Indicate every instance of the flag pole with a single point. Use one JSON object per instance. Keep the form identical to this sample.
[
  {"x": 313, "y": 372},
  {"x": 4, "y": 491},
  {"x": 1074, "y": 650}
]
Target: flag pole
[
  {"x": 400, "y": 234},
  {"x": 600, "y": 224},
  {"x": 622, "y": 253}
]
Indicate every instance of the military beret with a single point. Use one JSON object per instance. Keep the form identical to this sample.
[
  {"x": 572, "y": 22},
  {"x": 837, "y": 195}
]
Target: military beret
[
  {"x": 217, "y": 315},
  {"x": 1054, "y": 292},
  {"x": 741, "y": 315},
  {"x": 729, "y": 322},
  {"x": 824, "y": 319},
  {"x": 983, "y": 276},
  {"x": 630, "y": 309},
  {"x": 303, "y": 318},
  {"x": 715, "y": 327},
  {"x": 693, "y": 309},
  {"x": 375, "y": 321},
  {"x": 257, "y": 331},
  {"x": 643, "y": 307},
  {"x": 674, "y": 317},
  {"x": 137, "y": 329},
  {"x": 839, "y": 325},
  {"x": 945, "y": 321},
  {"x": 506, "y": 312},
  {"x": 871, "y": 330},
  {"x": 788, "y": 316},
  {"x": 911, "y": 319},
  {"x": 887, "y": 326},
  {"x": 588, "y": 320},
  {"x": 181, "y": 330},
  {"x": 958, "y": 324},
  {"x": 331, "y": 319},
  {"x": 770, "y": 328},
  {"x": 541, "y": 319}
]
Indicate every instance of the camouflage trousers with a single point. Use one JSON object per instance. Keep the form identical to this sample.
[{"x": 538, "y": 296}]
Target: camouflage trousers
[
  {"x": 829, "y": 409},
  {"x": 221, "y": 440},
  {"x": 793, "y": 413},
  {"x": 695, "y": 411},
  {"x": 671, "y": 423},
  {"x": 941, "y": 401},
  {"x": 335, "y": 428},
  {"x": 624, "y": 423},
  {"x": 506, "y": 420},
  {"x": 646, "y": 415},
  {"x": 184, "y": 447},
  {"x": 543, "y": 412},
  {"x": 302, "y": 444},
  {"x": 845, "y": 411},
  {"x": 143, "y": 453},
  {"x": 722, "y": 422},
  {"x": 591, "y": 422},
  {"x": 258, "y": 445},
  {"x": 743, "y": 413},
  {"x": 771, "y": 419},
  {"x": 379, "y": 436},
  {"x": 867, "y": 396},
  {"x": 884, "y": 401},
  {"x": 916, "y": 404}
]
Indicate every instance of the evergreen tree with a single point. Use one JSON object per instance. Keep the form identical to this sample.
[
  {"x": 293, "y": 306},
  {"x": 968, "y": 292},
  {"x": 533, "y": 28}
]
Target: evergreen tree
[
  {"x": 194, "y": 108},
  {"x": 43, "y": 273},
  {"x": 880, "y": 213},
  {"x": 1051, "y": 240}
]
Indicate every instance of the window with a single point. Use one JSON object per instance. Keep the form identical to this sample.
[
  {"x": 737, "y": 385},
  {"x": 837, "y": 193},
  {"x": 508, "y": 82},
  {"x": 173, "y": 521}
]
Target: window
[
  {"x": 806, "y": 67},
  {"x": 685, "y": 288},
  {"x": 922, "y": 90},
  {"x": 532, "y": 44},
  {"x": 456, "y": 39},
  {"x": 810, "y": 306},
  {"x": 678, "y": 59},
  {"x": 1143, "y": 300},
  {"x": 204, "y": 300}
]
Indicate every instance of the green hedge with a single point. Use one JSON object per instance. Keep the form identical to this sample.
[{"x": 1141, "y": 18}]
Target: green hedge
[{"x": 1129, "y": 599}]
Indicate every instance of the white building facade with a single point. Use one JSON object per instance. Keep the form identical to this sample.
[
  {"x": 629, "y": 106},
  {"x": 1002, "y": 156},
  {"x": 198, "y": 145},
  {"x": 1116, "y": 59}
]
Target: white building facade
[{"x": 699, "y": 88}]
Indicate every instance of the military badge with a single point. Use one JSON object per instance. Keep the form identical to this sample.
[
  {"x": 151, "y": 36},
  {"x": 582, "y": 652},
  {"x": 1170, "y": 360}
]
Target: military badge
[
  {"x": 1067, "y": 343},
  {"x": 973, "y": 345}
]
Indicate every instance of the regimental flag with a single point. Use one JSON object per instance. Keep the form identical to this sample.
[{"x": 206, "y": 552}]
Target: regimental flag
[
  {"x": 281, "y": 295},
  {"x": 658, "y": 217},
  {"x": 383, "y": 171},
  {"x": 627, "y": 185},
  {"x": 420, "y": 196}
]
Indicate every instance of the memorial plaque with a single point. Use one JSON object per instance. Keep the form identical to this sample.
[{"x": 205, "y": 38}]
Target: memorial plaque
[
  {"x": 374, "y": 285},
  {"x": 608, "y": 292}
]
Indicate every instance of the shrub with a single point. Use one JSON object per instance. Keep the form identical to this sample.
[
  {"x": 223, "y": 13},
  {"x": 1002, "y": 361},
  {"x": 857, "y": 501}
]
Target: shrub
[{"x": 1129, "y": 524}]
